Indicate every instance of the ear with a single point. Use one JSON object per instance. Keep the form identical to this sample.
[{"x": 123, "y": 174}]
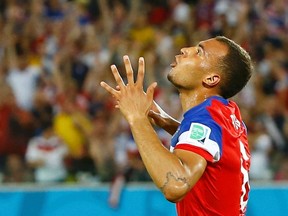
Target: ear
[{"x": 211, "y": 80}]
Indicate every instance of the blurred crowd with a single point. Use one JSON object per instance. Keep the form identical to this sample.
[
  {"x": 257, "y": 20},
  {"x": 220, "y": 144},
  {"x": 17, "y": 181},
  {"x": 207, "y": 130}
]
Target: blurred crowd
[{"x": 58, "y": 125}]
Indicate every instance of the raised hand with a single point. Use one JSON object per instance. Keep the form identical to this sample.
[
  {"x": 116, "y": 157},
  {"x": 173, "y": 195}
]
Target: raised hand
[{"x": 131, "y": 99}]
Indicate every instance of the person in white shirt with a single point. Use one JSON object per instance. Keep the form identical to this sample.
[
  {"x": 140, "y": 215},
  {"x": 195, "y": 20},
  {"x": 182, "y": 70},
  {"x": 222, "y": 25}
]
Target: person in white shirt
[{"x": 46, "y": 154}]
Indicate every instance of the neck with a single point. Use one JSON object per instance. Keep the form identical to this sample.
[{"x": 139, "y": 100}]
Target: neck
[{"x": 190, "y": 99}]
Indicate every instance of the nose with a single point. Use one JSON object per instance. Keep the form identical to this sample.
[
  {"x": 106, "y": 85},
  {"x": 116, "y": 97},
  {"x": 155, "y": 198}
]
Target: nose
[
  {"x": 186, "y": 50},
  {"x": 183, "y": 50}
]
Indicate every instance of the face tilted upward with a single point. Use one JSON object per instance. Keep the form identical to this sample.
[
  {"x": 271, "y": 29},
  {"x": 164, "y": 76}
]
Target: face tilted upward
[{"x": 194, "y": 64}]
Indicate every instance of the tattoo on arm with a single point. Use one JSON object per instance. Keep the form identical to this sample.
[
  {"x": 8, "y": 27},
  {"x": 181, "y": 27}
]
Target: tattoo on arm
[{"x": 171, "y": 179}]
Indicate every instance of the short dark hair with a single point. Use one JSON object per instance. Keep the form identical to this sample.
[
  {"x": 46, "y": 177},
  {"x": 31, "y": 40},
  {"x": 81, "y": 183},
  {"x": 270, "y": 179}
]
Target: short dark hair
[{"x": 236, "y": 67}]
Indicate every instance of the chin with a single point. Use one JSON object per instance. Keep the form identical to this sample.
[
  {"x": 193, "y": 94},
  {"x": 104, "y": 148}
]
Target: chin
[
  {"x": 170, "y": 77},
  {"x": 176, "y": 84}
]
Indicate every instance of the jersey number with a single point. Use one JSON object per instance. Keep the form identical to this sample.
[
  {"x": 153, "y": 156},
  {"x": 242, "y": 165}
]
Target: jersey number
[{"x": 245, "y": 181}]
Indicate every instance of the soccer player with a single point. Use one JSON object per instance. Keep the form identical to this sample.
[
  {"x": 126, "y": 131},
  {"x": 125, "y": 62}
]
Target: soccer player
[{"x": 206, "y": 170}]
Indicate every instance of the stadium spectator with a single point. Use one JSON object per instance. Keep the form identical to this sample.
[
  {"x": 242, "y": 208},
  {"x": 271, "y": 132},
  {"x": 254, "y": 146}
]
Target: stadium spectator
[
  {"x": 16, "y": 170},
  {"x": 46, "y": 155},
  {"x": 80, "y": 38},
  {"x": 16, "y": 126}
]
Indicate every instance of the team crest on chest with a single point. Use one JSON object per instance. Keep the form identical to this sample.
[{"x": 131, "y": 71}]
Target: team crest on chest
[{"x": 236, "y": 123}]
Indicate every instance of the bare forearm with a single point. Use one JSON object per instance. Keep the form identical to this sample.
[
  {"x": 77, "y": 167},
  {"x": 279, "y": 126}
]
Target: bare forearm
[
  {"x": 165, "y": 168},
  {"x": 172, "y": 126},
  {"x": 105, "y": 16}
]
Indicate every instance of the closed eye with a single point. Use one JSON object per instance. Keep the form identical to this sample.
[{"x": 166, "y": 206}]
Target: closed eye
[{"x": 200, "y": 49}]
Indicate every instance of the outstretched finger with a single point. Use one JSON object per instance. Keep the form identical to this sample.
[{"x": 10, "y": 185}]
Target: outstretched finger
[
  {"x": 129, "y": 69},
  {"x": 141, "y": 71},
  {"x": 108, "y": 88},
  {"x": 117, "y": 76}
]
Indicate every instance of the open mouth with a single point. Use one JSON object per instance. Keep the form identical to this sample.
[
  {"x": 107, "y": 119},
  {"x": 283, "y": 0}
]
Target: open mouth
[{"x": 173, "y": 64}]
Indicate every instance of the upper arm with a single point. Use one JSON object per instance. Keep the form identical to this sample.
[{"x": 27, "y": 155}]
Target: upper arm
[{"x": 194, "y": 166}]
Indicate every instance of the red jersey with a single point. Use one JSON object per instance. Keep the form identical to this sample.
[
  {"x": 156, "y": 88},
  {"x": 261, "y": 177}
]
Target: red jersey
[{"x": 214, "y": 130}]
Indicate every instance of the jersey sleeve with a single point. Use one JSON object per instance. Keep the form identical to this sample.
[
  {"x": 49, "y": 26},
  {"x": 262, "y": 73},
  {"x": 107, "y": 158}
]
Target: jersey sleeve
[{"x": 203, "y": 139}]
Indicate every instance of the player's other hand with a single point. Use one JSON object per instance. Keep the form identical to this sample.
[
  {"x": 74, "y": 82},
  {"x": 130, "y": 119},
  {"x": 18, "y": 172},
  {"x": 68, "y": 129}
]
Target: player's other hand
[{"x": 160, "y": 118}]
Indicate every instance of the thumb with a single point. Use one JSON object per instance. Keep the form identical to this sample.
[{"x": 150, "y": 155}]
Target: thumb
[{"x": 151, "y": 90}]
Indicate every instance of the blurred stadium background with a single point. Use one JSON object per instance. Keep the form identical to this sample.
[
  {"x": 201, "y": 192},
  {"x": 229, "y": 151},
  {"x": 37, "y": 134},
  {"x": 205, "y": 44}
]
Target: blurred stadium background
[{"x": 65, "y": 150}]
